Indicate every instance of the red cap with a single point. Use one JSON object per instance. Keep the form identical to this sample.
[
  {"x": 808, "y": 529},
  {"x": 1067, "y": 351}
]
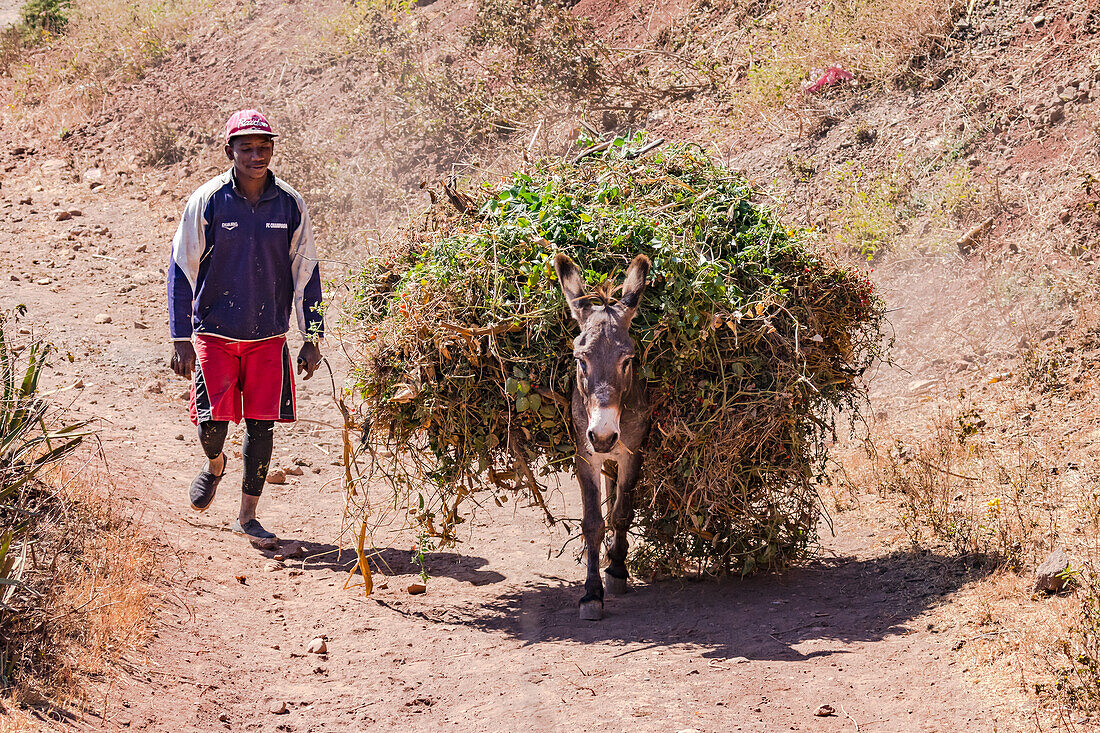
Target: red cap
[{"x": 247, "y": 122}]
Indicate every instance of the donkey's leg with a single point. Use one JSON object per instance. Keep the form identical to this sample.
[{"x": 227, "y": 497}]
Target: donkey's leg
[
  {"x": 622, "y": 514},
  {"x": 592, "y": 525}
]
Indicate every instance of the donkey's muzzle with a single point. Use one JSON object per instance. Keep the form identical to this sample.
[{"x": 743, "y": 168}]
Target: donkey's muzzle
[{"x": 603, "y": 444}]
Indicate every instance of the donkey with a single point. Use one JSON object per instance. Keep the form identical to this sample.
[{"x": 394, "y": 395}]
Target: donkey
[{"x": 610, "y": 416}]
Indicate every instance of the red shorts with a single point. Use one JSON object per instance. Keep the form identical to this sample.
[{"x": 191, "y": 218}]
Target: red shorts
[{"x": 242, "y": 379}]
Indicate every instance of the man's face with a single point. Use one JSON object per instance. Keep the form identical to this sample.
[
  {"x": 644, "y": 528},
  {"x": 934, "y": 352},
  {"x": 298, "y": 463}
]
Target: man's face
[{"x": 251, "y": 155}]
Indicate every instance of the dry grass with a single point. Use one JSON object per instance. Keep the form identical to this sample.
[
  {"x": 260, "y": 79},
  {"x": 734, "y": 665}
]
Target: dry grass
[
  {"x": 71, "y": 77},
  {"x": 94, "y": 574}
]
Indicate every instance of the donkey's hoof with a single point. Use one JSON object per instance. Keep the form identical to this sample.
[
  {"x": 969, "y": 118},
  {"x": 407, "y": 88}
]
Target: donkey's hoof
[
  {"x": 591, "y": 610},
  {"x": 614, "y": 586}
]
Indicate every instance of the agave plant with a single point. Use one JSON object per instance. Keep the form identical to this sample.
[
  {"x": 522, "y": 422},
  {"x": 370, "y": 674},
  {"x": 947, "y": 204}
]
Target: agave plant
[{"x": 27, "y": 445}]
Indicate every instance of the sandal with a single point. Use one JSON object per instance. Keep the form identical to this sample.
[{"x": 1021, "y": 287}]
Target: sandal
[
  {"x": 256, "y": 534},
  {"x": 205, "y": 486}
]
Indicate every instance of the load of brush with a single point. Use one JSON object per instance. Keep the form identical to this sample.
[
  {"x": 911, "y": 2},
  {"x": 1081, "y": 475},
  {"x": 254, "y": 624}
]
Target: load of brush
[{"x": 751, "y": 340}]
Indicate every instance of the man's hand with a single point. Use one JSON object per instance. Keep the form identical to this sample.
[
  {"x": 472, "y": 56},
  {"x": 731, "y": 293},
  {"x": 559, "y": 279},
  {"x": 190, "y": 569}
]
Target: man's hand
[
  {"x": 183, "y": 358},
  {"x": 309, "y": 358}
]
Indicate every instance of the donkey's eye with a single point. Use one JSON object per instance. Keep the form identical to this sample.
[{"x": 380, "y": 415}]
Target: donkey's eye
[
  {"x": 627, "y": 363},
  {"x": 583, "y": 366}
]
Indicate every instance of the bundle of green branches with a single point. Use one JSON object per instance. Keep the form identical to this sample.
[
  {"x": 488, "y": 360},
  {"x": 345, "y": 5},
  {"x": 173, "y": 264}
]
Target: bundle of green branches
[{"x": 749, "y": 342}]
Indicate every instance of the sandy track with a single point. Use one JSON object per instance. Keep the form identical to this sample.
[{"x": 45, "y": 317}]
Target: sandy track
[{"x": 495, "y": 644}]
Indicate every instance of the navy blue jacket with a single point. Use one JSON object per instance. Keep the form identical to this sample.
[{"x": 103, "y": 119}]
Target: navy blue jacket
[{"x": 235, "y": 270}]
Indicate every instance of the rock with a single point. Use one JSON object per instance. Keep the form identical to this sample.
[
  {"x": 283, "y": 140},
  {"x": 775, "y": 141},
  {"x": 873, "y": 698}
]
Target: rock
[
  {"x": 277, "y": 707},
  {"x": 78, "y": 384},
  {"x": 76, "y": 212},
  {"x": 224, "y": 718},
  {"x": 276, "y": 476},
  {"x": 299, "y": 461},
  {"x": 417, "y": 589},
  {"x": 143, "y": 248},
  {"x": 273, "y": 567},
  {"x": 1050, "y": 577},
  {"x": 93, "y": 176},
  {"x": 1057, "y": 114},
  {"x": 825, "y": 711},
  {"x": 42, "y": 281},
  {"x": 921, "y": 386},
  {"x": 14, "y": 278},
  {"x": 317, "y": 646},
  {"x": 294, "y": 550},
  {"x": 103, "y": 318},
  {"x": 179, "y": 436},
  {"x": 154, "y": 387},
  {"x": 60, "y": 215},
  {"x": 293, "y": 471},
  {"x": 26, "y": 201},
  {"x": 1038, "y": 21},
  {"x": 140, "y": 326}
]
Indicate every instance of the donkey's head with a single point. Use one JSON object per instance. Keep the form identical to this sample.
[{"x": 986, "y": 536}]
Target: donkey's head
[{"x": 604, "y": 349}]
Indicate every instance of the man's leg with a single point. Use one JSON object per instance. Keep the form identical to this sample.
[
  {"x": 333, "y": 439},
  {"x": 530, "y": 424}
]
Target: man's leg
[
  {"x": 212, "y": 439},
  {"x": 258, "y": 442}
]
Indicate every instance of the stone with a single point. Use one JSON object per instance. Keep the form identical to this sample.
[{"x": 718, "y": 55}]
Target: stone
[
  {"x": 293, "y": 471},
  {"x": 155, "y": 387},
  {"x": 60, "y": 215},
  {"x": 825, "y": 711},
  {"x": 143, "y": 248},
  {"x": 1038, "y": 21},
  {"x": 179, "y": 436},
  {"x": 416, "y": 589},
  {"x": 42, "y": 281},
  {"x": 1050, "y": 577},
  {"x": 277, "y": 707},
  {"x": 276, "y": 476},
  {"x": 921, "y": 386},
  {"x": 317, "y": 646},
  {"x": 76, "y": 212},
  {"x": 93, "y": 176},
  {"x": 140, "y": 326},
  {"x": 273, "y": 567},
  {"x": 1057, "y": 115},
  {"x": 103, "y": 318}
]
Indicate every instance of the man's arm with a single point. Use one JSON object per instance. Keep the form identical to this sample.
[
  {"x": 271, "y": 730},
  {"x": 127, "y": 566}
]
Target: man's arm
[
  {"x": 307, "y": 292},
  {"x": 183, "y": 270}
]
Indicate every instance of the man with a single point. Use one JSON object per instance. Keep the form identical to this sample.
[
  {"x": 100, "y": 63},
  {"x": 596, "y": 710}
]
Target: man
[{"x": 242, "y": 256}]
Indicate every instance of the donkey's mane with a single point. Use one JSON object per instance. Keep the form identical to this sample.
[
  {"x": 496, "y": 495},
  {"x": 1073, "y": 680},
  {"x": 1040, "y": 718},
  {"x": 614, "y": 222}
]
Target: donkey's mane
[{"x": 603, "y": 295}]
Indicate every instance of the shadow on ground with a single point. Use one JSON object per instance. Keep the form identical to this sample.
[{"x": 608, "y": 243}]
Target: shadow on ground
[
  {"x": 389, "y": 561},
  {"x": 793, "y": 617}
]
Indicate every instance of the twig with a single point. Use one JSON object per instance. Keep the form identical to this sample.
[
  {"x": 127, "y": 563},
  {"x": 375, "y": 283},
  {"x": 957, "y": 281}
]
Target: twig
[
  {"x": 850, "y": 718},
  {"x": 644, "y": 149},
  {"x": 598, "y": 147},
  {"x": 944, "y": 470}
]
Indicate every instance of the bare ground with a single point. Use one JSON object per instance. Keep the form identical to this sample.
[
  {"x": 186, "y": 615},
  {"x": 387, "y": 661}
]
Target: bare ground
[{"x": 496, "y": 642}]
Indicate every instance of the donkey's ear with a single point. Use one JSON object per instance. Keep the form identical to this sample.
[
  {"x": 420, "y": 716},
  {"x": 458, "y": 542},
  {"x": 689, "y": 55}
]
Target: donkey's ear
[
  {"x": 572, "y": 284},
  {"x": 634, "y": 286}
]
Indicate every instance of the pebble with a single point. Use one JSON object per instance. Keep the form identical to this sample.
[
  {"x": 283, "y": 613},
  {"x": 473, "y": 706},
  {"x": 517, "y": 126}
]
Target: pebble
[
  {"x": 224, "y": 717},
  {"x": 179, "y": 436},
  {"x": 293, "y": 471},
  {"x": 103, "y": 318},
  {"x": 154, "y": 387},
  {"x": 43, "y": 281},
  {"x": 825, "y": 711},
  {"x": 273, "y": 567},
  {"x": 140, "y": 326},
  {"x": 1051, "y": 575},
  {"x": 60, "y": 215},
  {"x": 276, "y": 476},
  {"x": 921, "y": 386},
  {"x": 317, "y": 646},
  {"x": 277, "y": 707},
  {"x": 416, "y": 589}
]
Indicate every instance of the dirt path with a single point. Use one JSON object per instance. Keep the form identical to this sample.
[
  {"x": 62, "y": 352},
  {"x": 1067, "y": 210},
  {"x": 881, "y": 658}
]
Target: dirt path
[{"x": 495, "y": 644}]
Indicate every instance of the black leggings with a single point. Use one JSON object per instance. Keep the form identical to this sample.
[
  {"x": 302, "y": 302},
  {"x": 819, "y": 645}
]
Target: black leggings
[{"x": 258, "y": 442}]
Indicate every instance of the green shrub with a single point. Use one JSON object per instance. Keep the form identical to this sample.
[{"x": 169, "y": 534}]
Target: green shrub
[{"x": 748, "y": 342}]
